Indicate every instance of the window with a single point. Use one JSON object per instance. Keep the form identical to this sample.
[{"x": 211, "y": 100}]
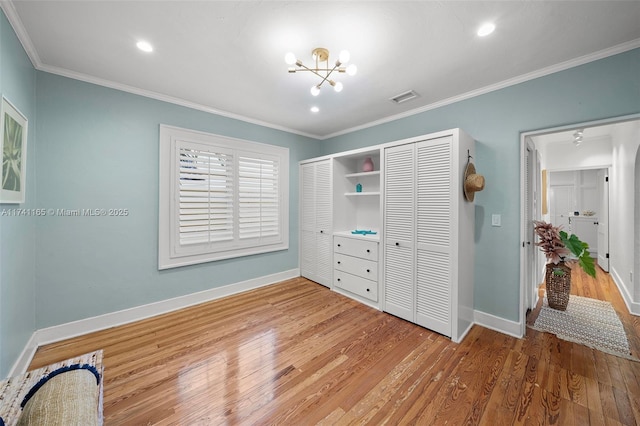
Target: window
[{"x": 220, "y": 197}]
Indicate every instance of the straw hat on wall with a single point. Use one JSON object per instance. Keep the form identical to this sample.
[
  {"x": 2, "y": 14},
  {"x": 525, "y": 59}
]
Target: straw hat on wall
[{"x": 473, "y": 182}]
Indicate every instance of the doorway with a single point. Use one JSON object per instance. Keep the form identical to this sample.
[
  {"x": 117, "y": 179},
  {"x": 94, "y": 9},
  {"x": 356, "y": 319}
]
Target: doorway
[{"x": 581, "y": 156}]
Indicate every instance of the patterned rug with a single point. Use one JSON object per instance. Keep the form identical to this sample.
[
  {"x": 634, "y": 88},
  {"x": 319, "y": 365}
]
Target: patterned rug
[{"x": 590, "y": 322}]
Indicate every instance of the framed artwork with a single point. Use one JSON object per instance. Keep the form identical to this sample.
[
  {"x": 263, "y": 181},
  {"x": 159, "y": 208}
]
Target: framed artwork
[{"x": 13, "y": 131}]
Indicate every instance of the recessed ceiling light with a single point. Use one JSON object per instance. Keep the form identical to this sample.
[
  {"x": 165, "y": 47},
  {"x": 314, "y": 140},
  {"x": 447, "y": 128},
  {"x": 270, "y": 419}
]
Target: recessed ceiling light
[
  {"x": 314, "y": 109},
  {"x": 486, "y": 29},
  {"x": 144, "y": 46}
]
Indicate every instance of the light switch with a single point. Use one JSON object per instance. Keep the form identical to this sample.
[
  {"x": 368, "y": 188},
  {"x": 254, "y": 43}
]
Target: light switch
[{"x": 496, "y": 220}]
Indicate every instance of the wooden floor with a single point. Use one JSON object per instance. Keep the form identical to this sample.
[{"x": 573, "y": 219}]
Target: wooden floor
[{"x": 296, "y": 353}]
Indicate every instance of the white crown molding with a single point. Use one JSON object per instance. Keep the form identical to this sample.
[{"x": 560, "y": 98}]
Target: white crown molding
[
  {"x": 166, "y": 98},
  {"x": 16, "y": 23},
  {"x": 620, "y": 48}
]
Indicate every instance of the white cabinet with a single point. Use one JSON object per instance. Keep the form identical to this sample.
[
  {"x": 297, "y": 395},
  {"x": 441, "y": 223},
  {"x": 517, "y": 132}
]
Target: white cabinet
[
  {"x": 428, "y": 234},
  {"x": 316, "y": 221},
  {"x": 585, "y": 228},
  {"x": 419, "y": 264},
  {"x": 355, "y": 260}
]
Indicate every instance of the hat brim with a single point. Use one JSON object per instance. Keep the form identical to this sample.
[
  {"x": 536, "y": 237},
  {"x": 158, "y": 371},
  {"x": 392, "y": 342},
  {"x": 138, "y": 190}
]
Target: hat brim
[{"x": 469, "y": 170}]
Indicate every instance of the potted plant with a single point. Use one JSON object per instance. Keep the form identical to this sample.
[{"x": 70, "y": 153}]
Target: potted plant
[{"x": 557, "y": 245}]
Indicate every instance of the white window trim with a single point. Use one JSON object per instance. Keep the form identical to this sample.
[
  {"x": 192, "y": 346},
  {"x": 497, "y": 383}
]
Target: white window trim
[{"x": 170, "y": 253}]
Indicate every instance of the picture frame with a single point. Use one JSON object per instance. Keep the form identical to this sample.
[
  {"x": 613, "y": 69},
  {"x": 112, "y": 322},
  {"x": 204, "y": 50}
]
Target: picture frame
[{"x": 13, "y": 145}]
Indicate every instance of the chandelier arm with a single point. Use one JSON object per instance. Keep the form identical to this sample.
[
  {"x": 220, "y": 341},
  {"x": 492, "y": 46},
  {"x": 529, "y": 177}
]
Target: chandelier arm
[
  {"x": 314, "y": 70},
  {"x": 327, "y": 76}
]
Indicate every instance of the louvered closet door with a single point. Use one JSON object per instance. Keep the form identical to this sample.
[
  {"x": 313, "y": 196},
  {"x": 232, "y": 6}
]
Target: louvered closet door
[
  {"x": 399, "y": 231},
  {"x": 307, "y": 221},
  {"x": 324, "y": 222},
  {"x": 434, "y": 234}
]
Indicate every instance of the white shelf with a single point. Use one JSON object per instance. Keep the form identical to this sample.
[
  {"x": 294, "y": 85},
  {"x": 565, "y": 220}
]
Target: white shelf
[
  {"x": 348, "y": 234},
  {"x": 361, "y": 174},
  {"x": 359, "y": 194}
]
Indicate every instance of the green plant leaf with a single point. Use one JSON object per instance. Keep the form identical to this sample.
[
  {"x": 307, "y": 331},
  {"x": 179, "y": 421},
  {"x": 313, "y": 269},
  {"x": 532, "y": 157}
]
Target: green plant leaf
[
  {"x": 580, "y": 250},
  {"x": 587, "y": 264}
]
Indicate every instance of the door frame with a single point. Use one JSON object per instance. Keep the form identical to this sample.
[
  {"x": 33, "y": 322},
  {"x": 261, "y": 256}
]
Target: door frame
[{"x": 524, "y": 138}]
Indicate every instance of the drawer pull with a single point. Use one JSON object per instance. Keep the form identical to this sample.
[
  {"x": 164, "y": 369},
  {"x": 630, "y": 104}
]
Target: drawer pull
[
  {"x": 339, "y": 245},
  {"x": 368, "y": 270},
  {"x": 338, "y": 279},
  {"x": 338, "y": 262},
  {"x": 368, "y": 290},
  {"x": 321, "y": 231},
  {"x": 397, "y": 244}
]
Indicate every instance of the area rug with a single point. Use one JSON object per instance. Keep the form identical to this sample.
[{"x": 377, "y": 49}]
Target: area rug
[{"x": 590, "y": 322}]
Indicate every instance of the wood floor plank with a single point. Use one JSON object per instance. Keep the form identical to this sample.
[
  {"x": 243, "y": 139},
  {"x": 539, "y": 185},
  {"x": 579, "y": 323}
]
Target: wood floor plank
[{"x": 297, "y": 353}]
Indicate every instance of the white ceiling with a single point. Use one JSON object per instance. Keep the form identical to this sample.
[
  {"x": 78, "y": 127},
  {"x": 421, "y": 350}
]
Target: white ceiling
[{"x": 228, "y": 57}]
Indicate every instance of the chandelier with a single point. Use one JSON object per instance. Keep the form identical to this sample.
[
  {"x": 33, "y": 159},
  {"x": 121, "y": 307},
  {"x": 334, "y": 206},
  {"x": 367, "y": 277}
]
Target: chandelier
[{"x": 321, "y": 55}]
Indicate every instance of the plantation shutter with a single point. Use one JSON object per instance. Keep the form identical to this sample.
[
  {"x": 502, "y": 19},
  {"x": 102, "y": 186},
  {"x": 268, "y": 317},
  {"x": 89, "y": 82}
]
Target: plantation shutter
[
  {"x": 258, "y": 197},
  {"x": 205, "y": 195},
  {"x": 220, "y": 198}
]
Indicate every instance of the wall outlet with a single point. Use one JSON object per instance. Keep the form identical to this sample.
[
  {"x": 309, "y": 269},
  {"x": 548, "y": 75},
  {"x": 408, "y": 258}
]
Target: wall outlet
[{"x": 496, "y": 220}]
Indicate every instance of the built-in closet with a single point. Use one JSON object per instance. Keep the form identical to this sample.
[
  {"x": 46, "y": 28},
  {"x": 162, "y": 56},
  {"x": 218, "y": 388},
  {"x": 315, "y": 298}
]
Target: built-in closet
[
  {"x": 415, "y": 258},
  {"x": 316, "y": 221}
]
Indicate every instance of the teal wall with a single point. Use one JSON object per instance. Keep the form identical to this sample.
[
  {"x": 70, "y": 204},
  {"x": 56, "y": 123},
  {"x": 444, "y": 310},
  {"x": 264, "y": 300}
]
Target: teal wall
[
  {"x": 606, "y": 88},
  {"x": 98, "y": 148},
  {"x": 17, "y": 233}
]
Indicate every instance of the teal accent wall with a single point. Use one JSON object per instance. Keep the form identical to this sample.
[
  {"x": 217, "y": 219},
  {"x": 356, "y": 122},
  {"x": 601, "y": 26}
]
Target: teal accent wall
[
  {"x": 601, "y": 89},
  {"x": 17, "y": 233},
  {"x": 98, "y": 149},
  {"x": 92, "y": 147}
]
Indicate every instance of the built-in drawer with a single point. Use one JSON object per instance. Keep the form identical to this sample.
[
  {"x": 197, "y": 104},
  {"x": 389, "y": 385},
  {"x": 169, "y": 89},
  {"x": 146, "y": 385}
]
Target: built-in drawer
[
  {"x": 356, "y": 285},
  {"x": 355, "y": 247},
  {"x": 354, "y": 265}
]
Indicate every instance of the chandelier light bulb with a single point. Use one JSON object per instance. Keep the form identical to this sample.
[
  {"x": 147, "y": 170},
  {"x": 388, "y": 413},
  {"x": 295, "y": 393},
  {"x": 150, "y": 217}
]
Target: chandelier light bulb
[
  {"x": 344, "y": 56},
  {"x": 315, "y": 90},
  {"x": 352, "y": 69},
  {"x": 290, "y": 58},
  {"x": 337, "y": 86}
]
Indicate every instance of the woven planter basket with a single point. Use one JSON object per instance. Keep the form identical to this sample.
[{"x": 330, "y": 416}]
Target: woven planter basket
[{"x": 558, "y": 283}]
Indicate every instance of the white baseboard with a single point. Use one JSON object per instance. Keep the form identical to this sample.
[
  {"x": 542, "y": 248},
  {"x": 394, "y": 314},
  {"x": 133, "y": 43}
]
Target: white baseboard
[
  {"x": 505, "y": 326},
  {"x": 88, "y": 325},
  {"x": 633, "y": 307}
]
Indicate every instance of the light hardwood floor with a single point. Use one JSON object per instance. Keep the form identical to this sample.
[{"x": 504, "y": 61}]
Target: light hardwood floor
[{"x": 296, "y": 353}]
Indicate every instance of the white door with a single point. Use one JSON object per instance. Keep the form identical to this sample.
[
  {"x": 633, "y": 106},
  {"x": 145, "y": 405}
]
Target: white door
[
  {"x": 399, "y": 231},
  {"x": 603, "y": 219},
  {"x": 529, "y": 273},
  {"x": 307, "y": 221},
  {"x": 561, "y": 205},
  {"x": 316, "y": 248},
  {"x": 324, "y": 223},
  {"x": 435, "y": 234}
]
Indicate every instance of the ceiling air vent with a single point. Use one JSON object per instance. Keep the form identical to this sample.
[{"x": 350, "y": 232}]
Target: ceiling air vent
[{"x": 404, "y": 97}]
